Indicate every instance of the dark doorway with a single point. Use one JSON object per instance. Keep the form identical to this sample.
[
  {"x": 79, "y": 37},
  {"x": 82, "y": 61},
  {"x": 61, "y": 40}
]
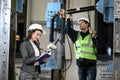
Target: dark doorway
[
  {"x": 21, "y": 28},
  {"x": 21, "y": 34},
  {"x": 105, "y": 37}
]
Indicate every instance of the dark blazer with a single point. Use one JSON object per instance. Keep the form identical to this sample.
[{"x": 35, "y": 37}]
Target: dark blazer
[{"x": 28, "y": 55}]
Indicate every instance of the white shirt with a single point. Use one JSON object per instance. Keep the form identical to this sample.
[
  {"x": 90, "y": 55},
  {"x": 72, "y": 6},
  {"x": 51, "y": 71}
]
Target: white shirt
[{"x": 37, "y": 52}]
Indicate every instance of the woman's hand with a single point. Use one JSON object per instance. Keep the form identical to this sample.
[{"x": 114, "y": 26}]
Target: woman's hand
[{"x": 45, "y": 60}]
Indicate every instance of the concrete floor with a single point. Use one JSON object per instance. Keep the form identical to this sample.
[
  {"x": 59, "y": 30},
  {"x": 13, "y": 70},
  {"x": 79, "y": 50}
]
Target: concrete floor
[{"x": 103, "y": 73}]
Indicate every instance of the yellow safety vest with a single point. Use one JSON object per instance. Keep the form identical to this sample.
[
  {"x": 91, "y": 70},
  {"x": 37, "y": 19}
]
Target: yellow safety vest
[{"x": 84, "y": 48}]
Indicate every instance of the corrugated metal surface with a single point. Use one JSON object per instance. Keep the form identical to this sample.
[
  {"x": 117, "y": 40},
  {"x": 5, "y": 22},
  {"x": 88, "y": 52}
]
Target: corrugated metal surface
[{"x": 5, "y": 9}]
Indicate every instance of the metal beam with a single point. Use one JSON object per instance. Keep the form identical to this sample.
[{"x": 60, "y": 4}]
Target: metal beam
[
  {"x": 116, "y": 40},
  {"x": 82, "y": 9},
  {"x": 5, "y": 10}
]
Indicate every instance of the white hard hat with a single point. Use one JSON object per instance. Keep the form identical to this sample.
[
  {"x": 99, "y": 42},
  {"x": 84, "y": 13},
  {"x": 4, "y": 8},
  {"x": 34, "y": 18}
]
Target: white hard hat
[
  {"x": 85, "y": 19},
  {"x": 36, "y": 26}
]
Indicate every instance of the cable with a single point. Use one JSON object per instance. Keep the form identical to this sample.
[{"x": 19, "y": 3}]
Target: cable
[
  {"x": 64, "y": 63},
  {"x": 70, "y": 55},
  {"x": 66, "y": 68},
  {"x": 63, "y": 78}
]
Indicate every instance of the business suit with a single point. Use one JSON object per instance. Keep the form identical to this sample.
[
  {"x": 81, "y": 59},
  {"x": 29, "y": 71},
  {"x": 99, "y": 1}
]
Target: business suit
[{"x": 28, "y": 55}]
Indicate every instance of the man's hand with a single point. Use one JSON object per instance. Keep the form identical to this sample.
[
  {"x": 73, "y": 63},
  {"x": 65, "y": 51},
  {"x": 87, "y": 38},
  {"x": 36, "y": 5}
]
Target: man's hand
[{"x": 91, "y": 31}]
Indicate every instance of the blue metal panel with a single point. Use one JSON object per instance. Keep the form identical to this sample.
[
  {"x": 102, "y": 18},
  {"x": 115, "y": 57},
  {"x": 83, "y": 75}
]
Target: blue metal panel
[
  {"x": 100, "y": 6},
  {"x": 20, "y": 5},
  {"x": 110, "y": 66},
  {"x": 106, "y": 7},
  {"x": 52, "y": 8},
  {"x": 50, "y": 64},
  {"x": 23, "y": 1},
  {"x": 108, "y": 11}
]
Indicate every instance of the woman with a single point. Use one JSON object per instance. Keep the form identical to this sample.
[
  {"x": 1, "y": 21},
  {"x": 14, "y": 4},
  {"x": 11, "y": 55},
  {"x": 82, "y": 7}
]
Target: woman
[{"x": 30, "y": 50}]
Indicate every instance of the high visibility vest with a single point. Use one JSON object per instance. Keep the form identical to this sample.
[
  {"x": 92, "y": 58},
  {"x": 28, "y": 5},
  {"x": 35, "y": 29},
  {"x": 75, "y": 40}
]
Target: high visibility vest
[{"x": 84, "y": 48}]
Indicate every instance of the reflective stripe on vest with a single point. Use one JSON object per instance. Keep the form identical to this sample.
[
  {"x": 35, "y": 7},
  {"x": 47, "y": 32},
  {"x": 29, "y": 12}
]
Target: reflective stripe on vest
[{"x": 84, "y": 48}]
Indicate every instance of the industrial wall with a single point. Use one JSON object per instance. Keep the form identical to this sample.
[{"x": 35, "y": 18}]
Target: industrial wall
[{"x": 36, "y": 14}]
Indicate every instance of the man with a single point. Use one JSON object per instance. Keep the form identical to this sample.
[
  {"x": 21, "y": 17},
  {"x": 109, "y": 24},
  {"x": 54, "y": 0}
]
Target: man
[{"x": 84, "y": 48}]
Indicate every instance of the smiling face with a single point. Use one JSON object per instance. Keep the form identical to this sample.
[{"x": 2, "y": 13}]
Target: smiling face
[{"x": 36, "y": 35}]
